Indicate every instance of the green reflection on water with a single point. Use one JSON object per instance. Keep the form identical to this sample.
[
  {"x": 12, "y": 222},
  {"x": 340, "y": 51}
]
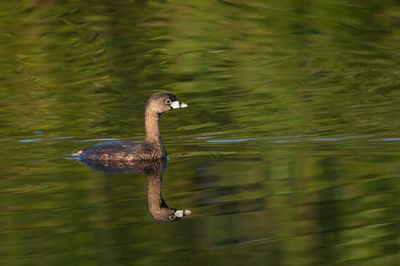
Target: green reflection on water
[{"x": 288, "y": 153}]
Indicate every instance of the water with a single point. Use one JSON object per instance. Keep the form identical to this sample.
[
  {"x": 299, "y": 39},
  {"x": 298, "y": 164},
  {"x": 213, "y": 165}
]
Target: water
[{"x": 287, "y": 155}]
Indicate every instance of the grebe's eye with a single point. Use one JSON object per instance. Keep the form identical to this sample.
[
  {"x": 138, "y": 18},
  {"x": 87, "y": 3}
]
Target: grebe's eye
[
  {"x": 168, "y": 101},
  {"x": 172, "y": 217}
]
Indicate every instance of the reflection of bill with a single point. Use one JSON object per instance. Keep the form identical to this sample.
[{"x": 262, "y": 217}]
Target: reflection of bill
[{"x": 153, "y": 171}]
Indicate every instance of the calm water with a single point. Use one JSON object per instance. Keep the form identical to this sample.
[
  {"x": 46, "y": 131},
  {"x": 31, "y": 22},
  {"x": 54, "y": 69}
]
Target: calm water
[{"x": 289, "y": 152}]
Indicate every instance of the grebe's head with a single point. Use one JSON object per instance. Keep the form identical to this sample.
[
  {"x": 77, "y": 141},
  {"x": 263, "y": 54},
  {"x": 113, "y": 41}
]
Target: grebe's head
[{"x": 163, "y": 102}]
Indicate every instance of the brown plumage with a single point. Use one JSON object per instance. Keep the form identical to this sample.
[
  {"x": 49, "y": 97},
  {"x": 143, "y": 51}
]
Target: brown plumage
[{"x": 151, "y": 148}]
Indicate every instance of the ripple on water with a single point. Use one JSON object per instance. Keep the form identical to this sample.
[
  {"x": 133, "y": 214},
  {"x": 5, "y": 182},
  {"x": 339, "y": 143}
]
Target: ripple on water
[{"x": 301, "y": 138}]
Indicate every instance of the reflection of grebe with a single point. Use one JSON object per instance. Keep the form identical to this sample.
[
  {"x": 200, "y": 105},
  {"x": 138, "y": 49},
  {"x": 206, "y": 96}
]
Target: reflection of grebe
[
  {"x": 153, "y": 171},
  {"x": 151, "y": 148}
]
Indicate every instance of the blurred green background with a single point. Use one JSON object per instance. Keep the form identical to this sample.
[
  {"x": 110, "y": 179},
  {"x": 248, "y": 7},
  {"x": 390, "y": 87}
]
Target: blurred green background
[{"x": 287, "y": 155}]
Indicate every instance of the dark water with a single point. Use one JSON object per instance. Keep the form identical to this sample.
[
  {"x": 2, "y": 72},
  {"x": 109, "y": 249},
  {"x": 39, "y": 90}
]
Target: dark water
[{"x": 289, "y": 152}]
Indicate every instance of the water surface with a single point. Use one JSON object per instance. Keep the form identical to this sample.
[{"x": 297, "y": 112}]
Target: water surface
[{"x": 287, "y": 155}]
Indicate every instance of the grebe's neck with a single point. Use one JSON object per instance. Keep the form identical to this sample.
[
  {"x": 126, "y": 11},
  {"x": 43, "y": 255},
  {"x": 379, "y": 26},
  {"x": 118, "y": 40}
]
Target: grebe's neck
[{"x": 152, "y": 130}]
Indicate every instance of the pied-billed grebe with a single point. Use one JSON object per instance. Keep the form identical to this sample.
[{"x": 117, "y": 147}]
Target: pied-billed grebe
[{"x": 151, "y": 148}]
